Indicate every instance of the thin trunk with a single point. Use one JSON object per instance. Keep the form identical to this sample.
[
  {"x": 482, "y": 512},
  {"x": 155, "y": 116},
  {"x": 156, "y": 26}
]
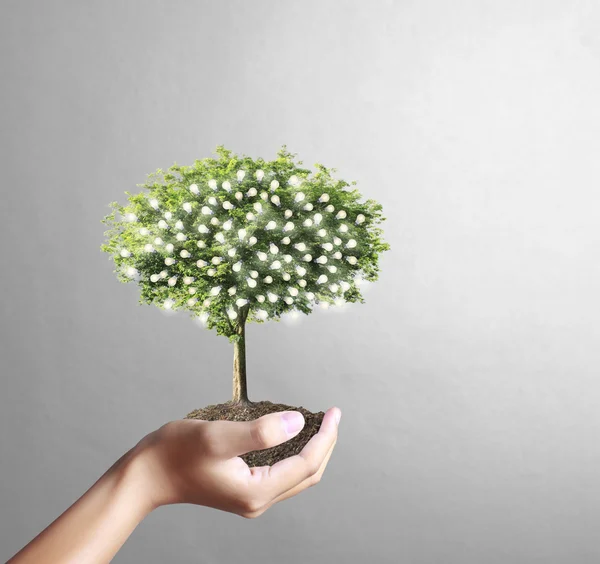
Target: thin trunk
[{"x": 240, "y": 386}]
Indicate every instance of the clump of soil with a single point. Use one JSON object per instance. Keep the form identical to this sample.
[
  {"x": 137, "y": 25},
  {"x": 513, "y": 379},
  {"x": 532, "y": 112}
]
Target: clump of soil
[{"x": 253, "y": 410}]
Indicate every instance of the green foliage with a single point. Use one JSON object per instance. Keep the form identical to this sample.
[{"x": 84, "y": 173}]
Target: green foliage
[{"x": 308, "y": 238}]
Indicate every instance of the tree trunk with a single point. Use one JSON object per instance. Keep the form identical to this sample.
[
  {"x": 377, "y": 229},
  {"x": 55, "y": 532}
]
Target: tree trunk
[{"x": 240, "y": 387}]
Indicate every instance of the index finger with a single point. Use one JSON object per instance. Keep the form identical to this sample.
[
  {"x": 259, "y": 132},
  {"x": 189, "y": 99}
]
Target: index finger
[{"x": 288, "y": 473}]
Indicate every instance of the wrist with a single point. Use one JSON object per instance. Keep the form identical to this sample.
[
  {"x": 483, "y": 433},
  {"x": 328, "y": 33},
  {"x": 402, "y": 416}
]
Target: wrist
[{"x": 135, "y": 477}]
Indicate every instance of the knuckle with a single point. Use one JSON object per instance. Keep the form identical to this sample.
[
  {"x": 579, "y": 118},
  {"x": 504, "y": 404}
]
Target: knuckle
[
  {"x": 251, "y": 506},
  {"x": 260, "y": 434},
  {"x": 313, "y": 467}
]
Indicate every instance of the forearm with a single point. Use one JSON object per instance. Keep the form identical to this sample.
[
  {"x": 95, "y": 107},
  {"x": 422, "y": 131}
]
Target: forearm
[{"x": 95, "y": 527}]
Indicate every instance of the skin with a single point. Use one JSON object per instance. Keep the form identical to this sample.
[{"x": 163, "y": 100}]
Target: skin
[{"x": 185, "y": 461}]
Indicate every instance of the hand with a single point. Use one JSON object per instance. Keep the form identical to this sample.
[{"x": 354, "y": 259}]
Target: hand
[{"x": 193, "y": 461}]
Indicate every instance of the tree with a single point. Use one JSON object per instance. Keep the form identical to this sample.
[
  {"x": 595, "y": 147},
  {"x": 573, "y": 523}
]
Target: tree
[{"x": 234, "y": 240}]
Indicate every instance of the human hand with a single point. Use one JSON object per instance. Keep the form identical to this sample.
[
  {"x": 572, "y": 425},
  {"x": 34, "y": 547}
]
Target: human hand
[{"x": 198, "y": 462}]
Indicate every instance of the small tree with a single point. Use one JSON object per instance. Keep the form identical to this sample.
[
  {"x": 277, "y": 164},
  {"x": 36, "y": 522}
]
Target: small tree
[{"x": 233, "y": 240}]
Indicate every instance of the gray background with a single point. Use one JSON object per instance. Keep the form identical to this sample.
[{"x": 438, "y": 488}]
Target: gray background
[{"x": 469, "y": 379}]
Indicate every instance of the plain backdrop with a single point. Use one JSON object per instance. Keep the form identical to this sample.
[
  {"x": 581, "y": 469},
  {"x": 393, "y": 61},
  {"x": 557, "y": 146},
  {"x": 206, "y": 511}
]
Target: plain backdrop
[{"x": 468, "y": 381}]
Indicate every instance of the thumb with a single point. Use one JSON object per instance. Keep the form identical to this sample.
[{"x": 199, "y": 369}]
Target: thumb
[{"x": 241, "y": 437}]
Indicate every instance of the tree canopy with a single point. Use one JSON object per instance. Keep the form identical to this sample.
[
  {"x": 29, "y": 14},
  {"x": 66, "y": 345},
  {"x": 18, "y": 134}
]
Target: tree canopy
[{"x": 233, "y": 239}]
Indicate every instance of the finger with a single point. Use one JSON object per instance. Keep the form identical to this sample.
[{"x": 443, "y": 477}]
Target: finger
[
  {"x": 233, "y": 438},
  {"x": 307, "y": 483},
  {"x": 292, "y": 471}
]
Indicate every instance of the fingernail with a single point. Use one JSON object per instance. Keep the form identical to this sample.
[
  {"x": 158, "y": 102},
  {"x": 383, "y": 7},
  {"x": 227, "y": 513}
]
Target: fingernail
[
  {"x": 338, "y": 416},
  {"x": 292, "y": 421}
]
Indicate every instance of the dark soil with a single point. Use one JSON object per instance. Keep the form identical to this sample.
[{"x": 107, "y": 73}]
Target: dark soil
[{"x": 253, "y": 410}]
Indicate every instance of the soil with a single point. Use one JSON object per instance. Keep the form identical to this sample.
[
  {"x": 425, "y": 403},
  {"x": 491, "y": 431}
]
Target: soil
[{"x": 253, "y": 410}]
